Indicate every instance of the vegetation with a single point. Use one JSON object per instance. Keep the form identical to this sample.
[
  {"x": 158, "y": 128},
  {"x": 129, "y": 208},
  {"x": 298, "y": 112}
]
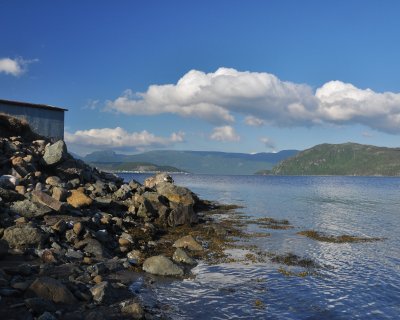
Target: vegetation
[
  {"x": 334, "y": 239},
  {"x": 342, "y": 159}
]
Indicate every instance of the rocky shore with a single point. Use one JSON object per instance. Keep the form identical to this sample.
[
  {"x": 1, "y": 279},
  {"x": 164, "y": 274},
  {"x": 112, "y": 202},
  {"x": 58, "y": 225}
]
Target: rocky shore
[{"x": 73, "y": 238}]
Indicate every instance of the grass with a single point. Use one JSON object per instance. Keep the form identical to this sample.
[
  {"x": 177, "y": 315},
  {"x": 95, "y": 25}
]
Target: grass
[{"x": 318, "y": 236}]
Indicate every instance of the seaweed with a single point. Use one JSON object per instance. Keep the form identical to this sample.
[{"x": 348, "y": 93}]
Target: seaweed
[{"x": 319, "y": 236}]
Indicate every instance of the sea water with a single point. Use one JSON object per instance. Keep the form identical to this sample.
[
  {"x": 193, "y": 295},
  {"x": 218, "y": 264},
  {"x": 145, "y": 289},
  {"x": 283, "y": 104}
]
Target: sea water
[{"x": 357, "y": 280}]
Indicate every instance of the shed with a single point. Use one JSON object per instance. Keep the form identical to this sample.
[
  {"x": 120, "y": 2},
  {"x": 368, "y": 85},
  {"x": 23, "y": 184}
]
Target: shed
[{"x": 43, "y": 119}]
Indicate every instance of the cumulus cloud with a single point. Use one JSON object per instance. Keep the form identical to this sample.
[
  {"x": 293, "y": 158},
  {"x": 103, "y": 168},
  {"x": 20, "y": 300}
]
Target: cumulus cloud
[
  {"x": 118, "y": 138},
  {"x": 268, "y": 143},
  {"x": 254, "y": 121},
  {"x": 224, "y": 133},
  {"x": 264, "y": 99},
  {"x": 14, "y": 67}
]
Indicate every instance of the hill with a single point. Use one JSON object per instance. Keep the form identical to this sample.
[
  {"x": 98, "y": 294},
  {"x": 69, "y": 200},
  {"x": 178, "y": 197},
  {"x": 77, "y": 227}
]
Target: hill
[
  {"x": 133, "y": 166},
  {"x": 205, "y": 162},
  {"x": 342, "y": 159}
]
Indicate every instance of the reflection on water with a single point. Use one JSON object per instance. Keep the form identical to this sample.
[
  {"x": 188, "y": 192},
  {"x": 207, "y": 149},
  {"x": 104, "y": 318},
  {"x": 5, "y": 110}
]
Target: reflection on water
[{"x": 358, "y": 281}]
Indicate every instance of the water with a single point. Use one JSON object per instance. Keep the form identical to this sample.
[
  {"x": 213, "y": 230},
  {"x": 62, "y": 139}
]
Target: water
[{"x": 359, "y": 280}]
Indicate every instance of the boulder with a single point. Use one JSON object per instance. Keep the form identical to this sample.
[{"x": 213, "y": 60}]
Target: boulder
[
  {"x": 101, "y": 292},
  {"x": 22, "y": 236},
  {"x": 78, "y": 199},
  {"x": 29, "y": 209},
  {"x": 182, "y": 214},
  {"x": 157, "y": 179},
  {"x": 161, "y": 265},
  {"x": 188, "y": 242},
  {"x": 53, "y": 290},
  {"x": 39, "y": 305},
  {"x": 134, "y": 309},
  {"x": 55, "y": 154},
  {"x": 177, "y": 194},
  {"x": 60, "y": 194},
  {"x": 93, "y": 247},
  {"x": 8, "y": 181},
  {"x": 10, "y": 195},
  {"x": 3, "y": 248},
  {"x": 54, "y": 181},
  {"x": 45, "y": 199},
  {"x": 181, "y": 256}
]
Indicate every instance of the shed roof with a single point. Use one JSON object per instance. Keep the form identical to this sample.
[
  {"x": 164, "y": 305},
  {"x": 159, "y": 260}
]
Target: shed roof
[{"x": 32, "y": 105}]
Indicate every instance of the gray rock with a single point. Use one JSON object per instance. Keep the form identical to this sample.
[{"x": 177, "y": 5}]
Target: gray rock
[
  {"x": 59, "y": 194},
  {"x": 177, "y": 194},
  {"x": 123, "y": 193},
  {"x": 181, "y": 256},
  {"x": 182, "y": 214},
  {"x": 46, "y": 316},
  {"x": 55, "y": 153},
  {"x": 29, "y": 209},
  {"x": 8, "y": 181},
  {"x": 3, "y": 248},
  {"x": 39, "y": 305},
  {"x": 22, "y": 236},
  {"x": 74, "y": 254},
  {"x": 161, "y": 265},
  {"x": 188, "y": 242},
  {"x": 94, "y": 247},
  {"x": 134, "y": 309},
  {"x": 157, "y": 179},
  {"x": 101, "y": 292},
  {"x": 45, "y": 199},
  {"x": 53, "y": 290}
]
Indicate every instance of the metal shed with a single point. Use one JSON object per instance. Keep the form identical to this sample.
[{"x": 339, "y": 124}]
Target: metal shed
[{"x": 43, "y": 119}]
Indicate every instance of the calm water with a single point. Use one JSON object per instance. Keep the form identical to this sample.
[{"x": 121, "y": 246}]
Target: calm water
[{"x": 359, "y": 280}]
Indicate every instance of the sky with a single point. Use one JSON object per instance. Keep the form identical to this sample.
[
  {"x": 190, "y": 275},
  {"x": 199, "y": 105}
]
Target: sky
[{"x": 234, "y": 76}]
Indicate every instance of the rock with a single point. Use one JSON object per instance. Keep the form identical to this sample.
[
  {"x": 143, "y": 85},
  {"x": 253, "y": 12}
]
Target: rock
[
  {"x": 157, "y": 179},
  {"x": 60, "y": 226},
  {"x": 134, "y": 257},
  {"x": 97, "y": 279},
  {"x": 93, "y": 247},
  {"x": 20, "y": 189},
  {"x": 54, "y": 181},
  {"x": 74, "y": 254},
  {"x": 10, "y": 195},
  {"x": 45, "y": 199},
  {"x": 123, "y": 193},
  {"x": 52, "y": 289},
  {"x": 182, "y": 214},
  {"x": 46, "y": 316},
  {"x": 78, "y": 199},
  {"x": 181, "y": 256},
  {"x": 78, "y": 228},
  {"x": 60, "y": 194},
  {"x": 22, "y": 236},
  {"x": 55, "y": 153},
  {"x": 161, "y": 265},
  {"x": 188, "y": 242},
  {"x": 177, "y": 194},
  {"x": 8, "y": 181},
  {"x": 39, "y": 305},
  {"x": 101, "y": 292},
  {"x": 3, "y": 248},
  {"x": 29, "y": 209},
  {"x": 134, "y": 309}
]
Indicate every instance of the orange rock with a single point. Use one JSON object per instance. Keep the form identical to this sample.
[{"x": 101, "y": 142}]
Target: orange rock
[{"x": 78, "y": 199}]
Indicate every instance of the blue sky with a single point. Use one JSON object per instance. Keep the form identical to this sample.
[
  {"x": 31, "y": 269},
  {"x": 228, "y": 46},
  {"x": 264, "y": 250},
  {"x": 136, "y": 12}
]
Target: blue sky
[{"x": 242, "y": 76}]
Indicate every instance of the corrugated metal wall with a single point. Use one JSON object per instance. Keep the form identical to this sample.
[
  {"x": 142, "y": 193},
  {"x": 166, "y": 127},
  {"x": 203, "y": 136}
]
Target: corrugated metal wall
[{"x": 46, "y": 122}]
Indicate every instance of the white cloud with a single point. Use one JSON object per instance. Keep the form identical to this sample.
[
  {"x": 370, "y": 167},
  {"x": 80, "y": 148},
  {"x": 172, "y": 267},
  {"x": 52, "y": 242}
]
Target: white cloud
[
  {"x": 14, "y": 67},
  {"x": 268, "y": 143},
  {"x": 254, "y": 121},
  {"x": 224, "y": 133},
  {"x": 263, "y": 99},
  {"x": 118, "y": 138}
]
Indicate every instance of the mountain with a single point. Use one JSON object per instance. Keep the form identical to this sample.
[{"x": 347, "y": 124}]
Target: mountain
[
  {"x": 206, "y": 162},
  {"x": 133, "y": 166},
  {"x": 342, "y": 159}
]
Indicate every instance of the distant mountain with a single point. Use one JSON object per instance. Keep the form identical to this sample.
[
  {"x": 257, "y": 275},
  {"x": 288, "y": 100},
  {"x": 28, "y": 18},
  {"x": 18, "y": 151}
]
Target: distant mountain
[
  {"x": 206, "y": 162},
  {"x": 342, "y": 159},
  {"x": 133, "y": 166}
]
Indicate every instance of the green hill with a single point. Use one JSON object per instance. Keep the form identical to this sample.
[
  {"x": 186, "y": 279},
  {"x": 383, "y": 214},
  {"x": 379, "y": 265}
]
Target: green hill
[{"x": 342, "y": 159}]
